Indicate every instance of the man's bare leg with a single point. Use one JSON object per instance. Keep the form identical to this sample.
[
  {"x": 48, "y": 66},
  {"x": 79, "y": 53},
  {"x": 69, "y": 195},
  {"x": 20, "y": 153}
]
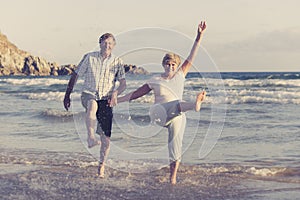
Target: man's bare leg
[
  {"x": 173, "y": 171},
  {"x": 91, "y": 121},
  {"x": 104, "y": 151}
]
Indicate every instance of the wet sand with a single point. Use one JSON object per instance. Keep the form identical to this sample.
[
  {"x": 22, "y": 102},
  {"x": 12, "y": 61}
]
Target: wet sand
[
  {"x": 65, "y": 175},
  {"x": 58, "y": 176},
  {"x": 59, "y": 182}
]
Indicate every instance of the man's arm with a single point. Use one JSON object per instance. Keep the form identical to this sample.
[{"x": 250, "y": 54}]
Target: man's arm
[
  {"x": 119, "y": 90},
  {"x": 72, "y": 81},
  {"x": 188, "y": 62},
  {"x": 121, "y": 87}
]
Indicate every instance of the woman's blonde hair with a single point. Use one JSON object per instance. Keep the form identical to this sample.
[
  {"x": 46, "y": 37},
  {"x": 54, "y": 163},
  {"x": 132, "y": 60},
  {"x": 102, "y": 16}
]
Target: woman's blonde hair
[{"x": 171, "y": 57}]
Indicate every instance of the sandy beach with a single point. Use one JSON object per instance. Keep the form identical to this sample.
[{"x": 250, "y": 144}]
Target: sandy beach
[
  {"x": 48, "y": 178},
  {"x": 60, "y": 175}
]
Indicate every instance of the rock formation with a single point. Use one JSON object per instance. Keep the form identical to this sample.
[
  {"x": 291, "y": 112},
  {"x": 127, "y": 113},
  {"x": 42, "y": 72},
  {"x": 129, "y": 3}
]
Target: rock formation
[
  {"x": 14, "y": 61},
  {"x": 132, "y": 69}
]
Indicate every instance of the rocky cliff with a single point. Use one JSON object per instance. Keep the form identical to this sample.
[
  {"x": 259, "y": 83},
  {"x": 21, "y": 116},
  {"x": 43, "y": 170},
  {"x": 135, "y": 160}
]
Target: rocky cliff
[{"x": 14, "y": 61}]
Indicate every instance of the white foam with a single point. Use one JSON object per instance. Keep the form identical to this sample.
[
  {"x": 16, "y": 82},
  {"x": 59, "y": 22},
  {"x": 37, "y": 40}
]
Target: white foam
[
  {"x": 218, "y": 170},
  {"x": 262, "y": 96},
  {"x": 245, "y": 91},
  {"x": 235, "y": 96},
  {"x": 241, "y": 96},
  {"x": 136, "y": 166},
  {"x": 261, "y": 83},
  {"x": 242, "y": 83},
  {"x": 265, "y": 171},
  {"x": 50, "y": 96},
  {"x": 37, "y": 81},
  {"x": 57, "y": 113},
  {"x": 81, "y": 164}
]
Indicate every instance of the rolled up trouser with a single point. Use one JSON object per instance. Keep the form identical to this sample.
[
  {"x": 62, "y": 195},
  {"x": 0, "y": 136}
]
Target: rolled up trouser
[
  {"x": 176, "y": 130},
  {"x": 163, "y": 113},
  {"x": 169, "y": 115}
]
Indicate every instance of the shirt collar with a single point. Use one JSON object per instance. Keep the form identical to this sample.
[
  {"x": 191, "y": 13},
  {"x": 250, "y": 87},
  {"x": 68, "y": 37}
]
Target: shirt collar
[{"x": 109, "y": 57}]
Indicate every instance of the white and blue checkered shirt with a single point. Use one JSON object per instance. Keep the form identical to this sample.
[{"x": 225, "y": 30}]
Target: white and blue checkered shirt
[{"x": 100, "y": 76}]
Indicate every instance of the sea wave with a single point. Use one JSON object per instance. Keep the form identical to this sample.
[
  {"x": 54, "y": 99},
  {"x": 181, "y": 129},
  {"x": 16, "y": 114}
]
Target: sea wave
[
  {"x": 261, "y": 75},
  {"x": 261, "y": 96},
  {"x": 221, "y": 96},
  {"x": 229, "y": 91},
  {"x": 52, "y": 113},
  {"x": 266, "y": 171},
  {"x": 45, "y": 81},
  {"x": 34, "y": 81},
  {"x": 49, "y": 96},
  {"x": 284, "y": 76},
  {"x": 259, "y": 100},
  {"x": 267, "y": 83},
  {"x": 228, "y": 83}
]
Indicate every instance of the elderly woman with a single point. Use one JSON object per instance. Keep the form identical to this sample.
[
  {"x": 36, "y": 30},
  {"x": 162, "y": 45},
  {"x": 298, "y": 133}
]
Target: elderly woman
[{"x": 168, "y": 109}]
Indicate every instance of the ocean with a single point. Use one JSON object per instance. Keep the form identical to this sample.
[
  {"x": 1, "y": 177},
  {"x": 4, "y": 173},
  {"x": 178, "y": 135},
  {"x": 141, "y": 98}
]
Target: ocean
[{"x": 243, "y": 144}]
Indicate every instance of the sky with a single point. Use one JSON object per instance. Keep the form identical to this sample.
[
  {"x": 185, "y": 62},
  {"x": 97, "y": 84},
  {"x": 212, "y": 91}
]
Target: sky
[{"x": 241, "y": 35}]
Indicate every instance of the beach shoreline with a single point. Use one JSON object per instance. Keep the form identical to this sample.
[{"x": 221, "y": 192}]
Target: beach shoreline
[
  {"x": 66, "y": 175},
  {"x": 65, "y": 182}
]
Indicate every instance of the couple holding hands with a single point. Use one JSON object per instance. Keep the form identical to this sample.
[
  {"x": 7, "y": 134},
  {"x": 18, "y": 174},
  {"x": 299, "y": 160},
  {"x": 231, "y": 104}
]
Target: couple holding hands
[{"x": 101, "y": 70}]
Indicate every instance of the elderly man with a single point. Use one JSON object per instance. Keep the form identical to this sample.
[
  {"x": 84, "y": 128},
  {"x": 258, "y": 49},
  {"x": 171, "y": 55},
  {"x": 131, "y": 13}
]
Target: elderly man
[{"x": 101, "y": 70}]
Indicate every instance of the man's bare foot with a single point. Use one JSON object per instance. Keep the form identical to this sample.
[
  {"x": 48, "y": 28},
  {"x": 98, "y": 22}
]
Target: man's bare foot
[
  {"x": 92, "y": 142},
  {"x": 101, "y": 171},
  {"x": 200, "y": 98}
]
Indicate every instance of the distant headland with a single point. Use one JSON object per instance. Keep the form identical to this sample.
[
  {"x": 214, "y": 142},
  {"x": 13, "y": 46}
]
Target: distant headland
[{"x": 17, "y": 62}]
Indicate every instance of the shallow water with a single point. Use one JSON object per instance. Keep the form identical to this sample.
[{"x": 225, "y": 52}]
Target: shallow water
[{"x": 244, "y": 144}]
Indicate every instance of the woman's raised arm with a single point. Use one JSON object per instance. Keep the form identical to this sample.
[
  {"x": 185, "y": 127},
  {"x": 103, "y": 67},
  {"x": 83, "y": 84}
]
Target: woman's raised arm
[{"x": 186, "y": 65}]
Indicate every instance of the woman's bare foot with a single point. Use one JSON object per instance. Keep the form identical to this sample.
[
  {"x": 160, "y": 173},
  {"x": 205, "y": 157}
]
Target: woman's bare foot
[
  {"x": 200, "y": 98},
  {"x": 92, "y": 142},
  {"x": 173, "y": 172},
  {"x": 173, "y": 180}
]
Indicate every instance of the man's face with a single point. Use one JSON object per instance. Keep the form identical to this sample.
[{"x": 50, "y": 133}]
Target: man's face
[{"x": 107, "y": 45}]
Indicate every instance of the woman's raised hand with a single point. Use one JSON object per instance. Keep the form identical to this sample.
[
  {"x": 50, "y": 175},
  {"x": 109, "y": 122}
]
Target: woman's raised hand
[{"x": 201, "y": 27}]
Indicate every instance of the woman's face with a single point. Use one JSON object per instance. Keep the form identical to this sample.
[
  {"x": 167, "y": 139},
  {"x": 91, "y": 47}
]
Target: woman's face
[{"x": 170, "y": 67}]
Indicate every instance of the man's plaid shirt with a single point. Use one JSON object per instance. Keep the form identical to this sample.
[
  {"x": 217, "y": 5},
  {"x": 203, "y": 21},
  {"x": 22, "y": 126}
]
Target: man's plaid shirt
[{"x": 100, "y": 76}]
